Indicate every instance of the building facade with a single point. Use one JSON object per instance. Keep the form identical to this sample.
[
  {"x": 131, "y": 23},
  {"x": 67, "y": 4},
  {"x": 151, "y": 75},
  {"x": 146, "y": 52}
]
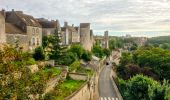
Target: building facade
[
  {"x": 2, "y": 28},
  {"x": 23, "y": 28},
  {"x": 49, "y": 27},
  {"x": 70, "y": 34}
]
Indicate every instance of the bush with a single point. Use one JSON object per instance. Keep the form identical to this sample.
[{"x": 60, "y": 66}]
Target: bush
[
  {"x": 30, "y": 61},
  {"x": 74, "y": 66},
  {"x": 77, "y": 49},
  {"x": 138, "y": 87},
  {"x": 68, "y": 59},
  {"x": 98, "y": 51},
  {"x": 39, "y": 54},
  {"x": 86, "y": 56},
  {"x": 107, "y": 52},
  {"x": 160, "y": 92}
]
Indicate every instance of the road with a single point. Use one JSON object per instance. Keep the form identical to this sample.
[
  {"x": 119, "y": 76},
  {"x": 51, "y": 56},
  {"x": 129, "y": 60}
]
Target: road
[{"x": 106, "y": 91}]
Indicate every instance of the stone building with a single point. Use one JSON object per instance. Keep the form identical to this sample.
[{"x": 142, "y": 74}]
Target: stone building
[
  {"x": 2, "y": 28},
  {"x": 49, "y": 27},
  {"x": 103, "y": 40},
  {"x": 92, "y": 37},
  {"x": 23, "y": 28},
  {"x": 85, "y": 38},
  {"x": 106, "y": 40},
  {"x": 70, "y": 34}
]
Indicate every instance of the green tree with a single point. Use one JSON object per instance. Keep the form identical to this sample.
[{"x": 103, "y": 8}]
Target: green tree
[
  {"x": 56, "y": 50},
  {"x": 68, "y": 58},
  {"x": 160, "y": 92},
  {"x": 39, "y": 54},
  {"x": 107, "y": 52},
  {"x": 77, "y": 49},
  {"x": 87, "y": 56},
  {"x": 98, "y": 51},
  {"x": 138, "y": 87}
]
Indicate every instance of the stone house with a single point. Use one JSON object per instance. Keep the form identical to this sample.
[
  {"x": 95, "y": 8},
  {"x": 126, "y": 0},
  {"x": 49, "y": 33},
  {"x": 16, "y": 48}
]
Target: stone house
[
  {"x": 23, "y": 28},
  {"x": 49, "y": 27},
  {"x": 70, "y": 34},
  {"x": 85, "y": 37},
  {"x": 2, "y": 29}
]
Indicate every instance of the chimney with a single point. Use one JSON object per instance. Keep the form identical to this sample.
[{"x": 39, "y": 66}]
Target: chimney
[
  {"x": 65, "y": 24},
  {"x": 4, "y": 13}
]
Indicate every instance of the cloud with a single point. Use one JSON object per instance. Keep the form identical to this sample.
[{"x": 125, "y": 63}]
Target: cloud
[{"x": 113, "y": 15}]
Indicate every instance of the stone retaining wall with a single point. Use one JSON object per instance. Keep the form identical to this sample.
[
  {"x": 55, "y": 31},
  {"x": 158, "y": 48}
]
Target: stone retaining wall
[
  {"x": 77, "y": 76},
  {"x": 81, "y": 94}
]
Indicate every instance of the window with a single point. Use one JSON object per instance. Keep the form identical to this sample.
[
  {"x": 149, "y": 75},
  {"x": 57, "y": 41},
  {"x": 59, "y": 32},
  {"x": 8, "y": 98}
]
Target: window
[
  {"x": 38, "y": 41},
  {"x": 33, "y": 31},
  {"x": 33, "y": 41},
  {"x": 37, "y": 31}
]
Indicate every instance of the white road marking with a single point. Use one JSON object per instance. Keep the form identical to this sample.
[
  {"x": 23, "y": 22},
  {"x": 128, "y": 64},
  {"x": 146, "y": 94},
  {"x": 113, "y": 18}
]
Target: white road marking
[{"x": 108, "y": 98}]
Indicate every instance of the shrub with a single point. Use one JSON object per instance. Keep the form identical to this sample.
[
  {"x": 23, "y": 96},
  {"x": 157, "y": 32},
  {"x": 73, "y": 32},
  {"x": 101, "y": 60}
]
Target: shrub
[
  {"x": 138, "y": 87},
  {"x": 39, "y": 54},
  {"x": 77, "y": 49},
  {"x": 74, "y": 66},
  {"x": 87, "y": 56},
  {"x": 68, "y": 59}
]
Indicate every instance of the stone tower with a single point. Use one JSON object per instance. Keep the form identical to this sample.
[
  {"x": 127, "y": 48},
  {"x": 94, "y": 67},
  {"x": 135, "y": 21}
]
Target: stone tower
[
  {"x": 2, "y": 27},
  {"x": 106, "y": 39},
  {"x": 85, "y": 39}
]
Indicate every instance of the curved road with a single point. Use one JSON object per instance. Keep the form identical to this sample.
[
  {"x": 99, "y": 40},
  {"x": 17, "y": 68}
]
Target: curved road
[{"x": 106, "y": 90}]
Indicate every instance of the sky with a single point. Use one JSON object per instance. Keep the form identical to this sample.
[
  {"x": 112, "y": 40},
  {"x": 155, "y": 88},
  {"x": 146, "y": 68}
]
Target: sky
[{"x": 148, "y": 18}]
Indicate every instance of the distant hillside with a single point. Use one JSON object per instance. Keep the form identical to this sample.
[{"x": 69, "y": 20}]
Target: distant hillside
[{"x": 159, "y": 40}]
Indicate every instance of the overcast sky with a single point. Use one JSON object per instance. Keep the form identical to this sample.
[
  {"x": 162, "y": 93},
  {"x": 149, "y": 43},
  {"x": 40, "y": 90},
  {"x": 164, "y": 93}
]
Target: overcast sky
[{"x": 120, "y": 17}]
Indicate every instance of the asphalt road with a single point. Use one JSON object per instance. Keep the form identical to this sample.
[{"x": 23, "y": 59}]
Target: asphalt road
[{"x": 106, "y": 90}]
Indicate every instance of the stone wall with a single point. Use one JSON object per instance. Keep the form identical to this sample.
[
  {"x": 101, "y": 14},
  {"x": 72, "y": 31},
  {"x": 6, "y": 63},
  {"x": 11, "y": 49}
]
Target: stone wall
[
  {"x": 75, "y": 37},
  {"x": 77, "y": 76},
  {"x": 2, "y": 29},
  {"x": 81, "y": 94},
  {"x": 22, "y": 40}
]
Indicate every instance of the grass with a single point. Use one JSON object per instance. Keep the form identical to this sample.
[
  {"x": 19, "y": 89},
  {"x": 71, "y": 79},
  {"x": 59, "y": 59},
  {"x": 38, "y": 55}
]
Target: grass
[
  {"x": 54, "y": 71},
  {"x": 66, "y": 88},
  {"x": 45, "y": 74},
  {"x": 85, "y": 71}
]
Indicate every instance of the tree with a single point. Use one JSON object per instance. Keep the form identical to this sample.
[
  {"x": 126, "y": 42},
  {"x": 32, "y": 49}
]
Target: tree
[
  {"x": 68, "y": 58},
  {"x": 98, "y": 51},
  {"x": 141, "y": 87},
  {"x": 56, "y": 50},
  {"x": 159, "y": 92},
  {"x": 112, "y": 44},
  {"x": 87, "y": 56},
  {"x": 39, "y": 54},
  {"x": 77, "y": 49},
  {"x": 138, "y": 87},
  {"x": 107, "y": 52}
]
